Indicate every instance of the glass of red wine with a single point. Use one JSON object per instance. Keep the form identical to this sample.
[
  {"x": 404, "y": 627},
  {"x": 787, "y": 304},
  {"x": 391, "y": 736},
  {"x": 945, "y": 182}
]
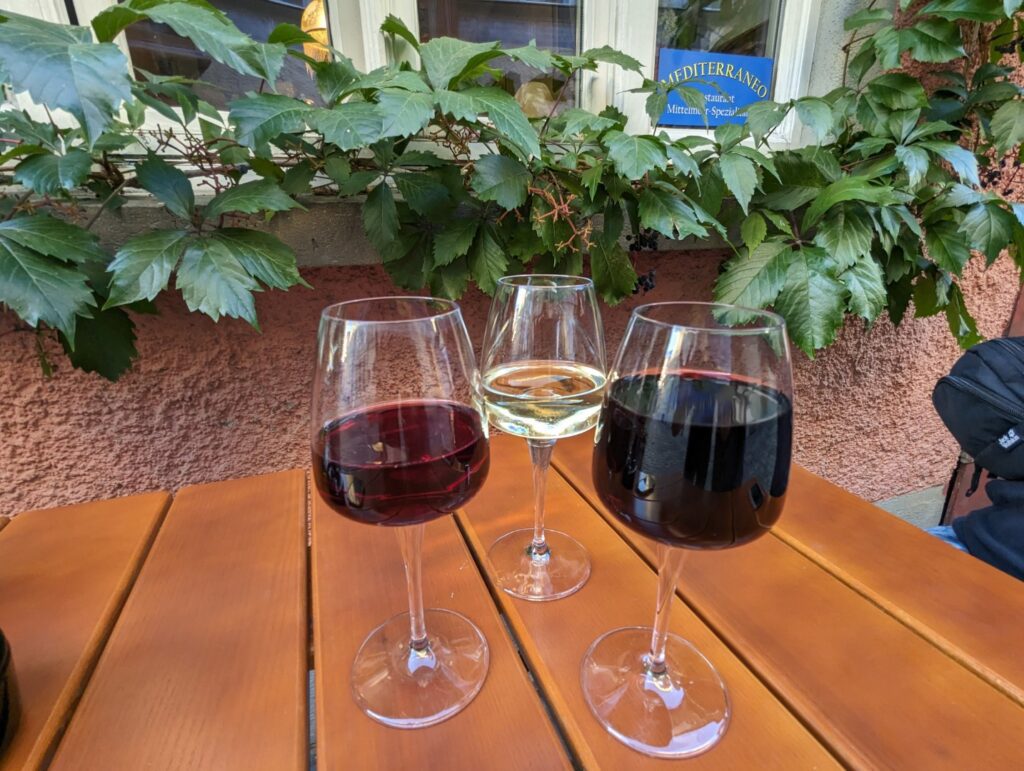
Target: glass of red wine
[
  {"x": 692, "y": 449},
  {"x": 399, "y": 439}
]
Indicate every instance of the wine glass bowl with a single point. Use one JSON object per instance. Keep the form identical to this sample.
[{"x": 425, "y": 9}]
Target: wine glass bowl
[
  {"x": 543, "y": 380},
  {"x": 693, "y": 450},
  {"x": 399, "y": 438}
]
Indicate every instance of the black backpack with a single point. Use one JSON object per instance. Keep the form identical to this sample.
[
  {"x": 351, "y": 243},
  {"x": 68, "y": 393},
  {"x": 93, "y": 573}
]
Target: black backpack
[{"x": 981, "y": 401}]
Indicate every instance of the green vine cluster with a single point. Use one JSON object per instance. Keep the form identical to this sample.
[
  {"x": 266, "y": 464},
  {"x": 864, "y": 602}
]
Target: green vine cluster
[{"x": 459, "y": 185}]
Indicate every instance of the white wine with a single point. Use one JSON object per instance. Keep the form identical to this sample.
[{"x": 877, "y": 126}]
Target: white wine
[{"x": 543, "y": 399}]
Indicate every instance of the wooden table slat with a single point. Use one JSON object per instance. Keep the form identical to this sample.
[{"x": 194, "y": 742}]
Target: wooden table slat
[
  {"x": 873, "y": 689},
  {"x": 358, "y": 583},
  {"x": 64, "y": 575},
  {"x": 621, "y": 592},
  {"x": 964, "y": 606},
  {"x": 207, "y": 665}
]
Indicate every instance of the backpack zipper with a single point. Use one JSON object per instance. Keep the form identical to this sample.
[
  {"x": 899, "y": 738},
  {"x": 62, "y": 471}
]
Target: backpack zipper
[{"x": 1001, "y": 403}]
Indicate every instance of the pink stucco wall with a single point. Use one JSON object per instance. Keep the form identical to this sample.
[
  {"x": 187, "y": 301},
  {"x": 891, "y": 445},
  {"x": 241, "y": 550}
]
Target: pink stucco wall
[{"x": 211, "y": 401}]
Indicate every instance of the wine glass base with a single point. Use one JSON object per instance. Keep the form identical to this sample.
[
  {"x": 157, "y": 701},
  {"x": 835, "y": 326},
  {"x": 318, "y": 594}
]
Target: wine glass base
[
  {"x": 681, "y": 713},
  {"x": 561, "y": 572},
  {"x": 403, "y": 688}
]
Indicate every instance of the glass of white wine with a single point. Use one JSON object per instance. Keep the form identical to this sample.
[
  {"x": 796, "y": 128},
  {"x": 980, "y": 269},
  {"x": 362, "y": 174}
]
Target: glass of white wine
[{"x": 544, "y": 375}]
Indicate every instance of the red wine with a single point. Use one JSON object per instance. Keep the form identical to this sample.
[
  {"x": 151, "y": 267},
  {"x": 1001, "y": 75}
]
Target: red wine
[
  {"x": 694, "y": 459},
  {"x": 402, "y": 463}
]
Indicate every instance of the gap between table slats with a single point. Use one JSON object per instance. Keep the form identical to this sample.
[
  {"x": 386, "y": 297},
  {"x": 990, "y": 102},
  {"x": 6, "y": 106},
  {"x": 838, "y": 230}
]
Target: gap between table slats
[{"x": 75, "y": 567}]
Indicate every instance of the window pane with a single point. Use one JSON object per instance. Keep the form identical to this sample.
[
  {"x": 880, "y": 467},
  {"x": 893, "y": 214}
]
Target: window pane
[
  {"x": 554, "y": 24},
  {"x": 728, "y": 43},
  {"x": 158, "y": 49}
]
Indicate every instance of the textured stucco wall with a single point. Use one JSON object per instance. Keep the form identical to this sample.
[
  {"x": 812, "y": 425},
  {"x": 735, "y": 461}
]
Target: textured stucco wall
[{"x": 212, "y": 401}]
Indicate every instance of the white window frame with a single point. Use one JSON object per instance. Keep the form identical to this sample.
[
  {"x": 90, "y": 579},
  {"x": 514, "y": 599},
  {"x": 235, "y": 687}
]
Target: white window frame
[{"x": 627, "y": 25}]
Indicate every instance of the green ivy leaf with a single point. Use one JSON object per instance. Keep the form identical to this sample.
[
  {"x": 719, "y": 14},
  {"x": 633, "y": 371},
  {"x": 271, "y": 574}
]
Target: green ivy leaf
[
  {"x": 962, "y": 10},
  {"x": 212, "y": 280},
  {"x": 333, "y": 79},
  {"x": 915, "y": 161},
  {"x": 142, "y": 266},
  {"x": 577, "y": 122},
  {"x": 357, "y": 182},
  {"x": 849, "y": 189},
  {"x": 213, "y": 33},
  {"x": 405, "y": 113},
  {"x": 754, "y": 277},
  {"x": 613, "y": 56},
  {"x": 380, "y": 216},
  {"x": 846, "y": 236},
  {"x": 450, "y": 280},
  {"x": 104, "y": 343},
  {"x": 168, "y": 184},
  {"x": 453, "y": 240},
  {"x": 946, "y": 246},
  {"x": 249, "y": 198},
  {"x": 960, "y": 158},
  {"x": 740, "y": 177},
  {"x": 63, "y": 68},
  {"x": 424, "y": 194},
  {"x": 502, "y": 180},
  {"x": 531, "y": 56},
  {"x": 1007, "y": 125},
  {"x": 40, "y": 288},
  {"x": 395, "y": 26},
  {"x": 811, "y": 301},
  {"x": 753, "y": 230},
  {"x": 487, "y": 260},
  {"x": 259, "y": 118},
  {"x": 634, "y": 156},
  {"x": 508, "y": 117},
  {"x": 350, "y": 125},
  {"x": 866, "y": 286},
  {"x": 816, "y": 114},
  {"x": 989, "y": 228},
  {"x": 262, "y": 255},
  {"x": 614, "y": 276},
  {"x": 960, "y": 321},
  {"x": 889, "y": 44},
  {"x": 445, "y": 59},
  {"x": 764, "y": 117},
  {"x": 932, "y": 40},
  {"x": 666, "y": 213},
  {"x": 52, "y": 237},
  {"x": 898, "y": 91},
  {"x": 51, "y": 174}
]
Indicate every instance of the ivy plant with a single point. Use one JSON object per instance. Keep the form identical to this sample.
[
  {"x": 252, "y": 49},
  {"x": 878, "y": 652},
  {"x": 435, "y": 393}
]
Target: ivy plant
[{"x": 457, "y": 184}]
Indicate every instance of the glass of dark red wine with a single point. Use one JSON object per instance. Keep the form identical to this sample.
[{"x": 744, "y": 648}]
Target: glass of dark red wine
[
  {"x": 692, "y": 449},
  {"x": 399, "y": 439}
]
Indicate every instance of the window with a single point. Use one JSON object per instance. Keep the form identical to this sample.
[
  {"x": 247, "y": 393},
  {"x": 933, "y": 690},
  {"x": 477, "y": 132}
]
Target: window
[{"x": 780, "y": 32}]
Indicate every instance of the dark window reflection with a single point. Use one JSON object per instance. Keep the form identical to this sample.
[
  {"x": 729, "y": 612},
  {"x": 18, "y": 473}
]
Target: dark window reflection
[
  {"x": 554, "y": 24},
  {"x": 158, "y": 49}
]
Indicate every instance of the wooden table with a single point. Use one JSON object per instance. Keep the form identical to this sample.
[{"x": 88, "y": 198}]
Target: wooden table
[{"x": 149, "y": 634}]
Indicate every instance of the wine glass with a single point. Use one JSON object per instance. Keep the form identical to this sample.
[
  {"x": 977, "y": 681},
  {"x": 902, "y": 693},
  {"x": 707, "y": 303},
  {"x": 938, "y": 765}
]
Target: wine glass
[
  {"x": 543, "y": 365},
  {"x": 692, "y": 449},
  {"x": 400, "y": 438}
]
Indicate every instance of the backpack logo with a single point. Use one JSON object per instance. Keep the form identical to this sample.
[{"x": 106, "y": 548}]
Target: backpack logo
[{"x": 1009, "y": 439}]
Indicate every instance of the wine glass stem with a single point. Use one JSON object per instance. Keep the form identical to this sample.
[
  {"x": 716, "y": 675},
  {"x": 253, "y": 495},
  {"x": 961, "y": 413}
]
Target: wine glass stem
[
  {"x": 540, "y": 455},
  {"x": 410, "y": 538},
  {"x": 669, "y": 568}
]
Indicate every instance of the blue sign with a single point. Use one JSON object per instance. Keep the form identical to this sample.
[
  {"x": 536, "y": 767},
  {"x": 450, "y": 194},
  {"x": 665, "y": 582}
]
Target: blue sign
[{"x": 741, "y": 81}]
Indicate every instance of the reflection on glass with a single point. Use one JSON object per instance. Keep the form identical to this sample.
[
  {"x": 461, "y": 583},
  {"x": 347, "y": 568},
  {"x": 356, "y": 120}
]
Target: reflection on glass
[
  {"x": 554, "y": 24},
  {"x": 156, "y": 48},
  {"x": 744, "y": 27}
]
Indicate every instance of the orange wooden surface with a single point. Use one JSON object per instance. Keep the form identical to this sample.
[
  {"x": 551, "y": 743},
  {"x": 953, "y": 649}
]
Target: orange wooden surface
[
  {"x": 555, "y": 635},
  {"x": 207, "y": 666},
  {"x": 64, "y": 574},
  {"x": 358, "y": 582},
  {"x": 966, "y": 607},
  {"x": 841, "y": 662}
]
